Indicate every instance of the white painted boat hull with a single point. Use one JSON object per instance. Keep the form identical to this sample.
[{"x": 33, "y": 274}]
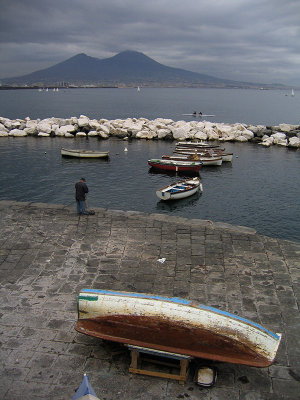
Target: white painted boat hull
[
  {"x": 84, "y": 153},
  {"x": 175, "y": 325},
  {"x": 173, "y": 191}
]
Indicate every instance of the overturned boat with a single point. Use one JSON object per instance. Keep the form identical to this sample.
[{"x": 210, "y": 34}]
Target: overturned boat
[{"x": 175, "y": 325}]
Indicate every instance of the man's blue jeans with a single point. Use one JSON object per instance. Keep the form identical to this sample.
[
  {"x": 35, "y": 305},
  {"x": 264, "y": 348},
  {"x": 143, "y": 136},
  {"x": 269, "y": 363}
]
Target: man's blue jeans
[{"x": 81, "y": 207}]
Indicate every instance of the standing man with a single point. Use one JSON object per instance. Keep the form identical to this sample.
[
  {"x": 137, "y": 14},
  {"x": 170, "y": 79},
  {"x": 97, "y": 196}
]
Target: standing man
[{"x": 81, "y": 190}]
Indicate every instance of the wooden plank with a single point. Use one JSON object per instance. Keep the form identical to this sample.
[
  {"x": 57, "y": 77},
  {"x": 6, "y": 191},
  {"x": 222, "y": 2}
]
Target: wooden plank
[{"x": 158, "y": 374}]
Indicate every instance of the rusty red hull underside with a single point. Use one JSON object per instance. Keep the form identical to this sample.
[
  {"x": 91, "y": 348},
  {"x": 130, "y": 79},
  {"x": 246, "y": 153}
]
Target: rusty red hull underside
[{"x": 159, "y": 334}]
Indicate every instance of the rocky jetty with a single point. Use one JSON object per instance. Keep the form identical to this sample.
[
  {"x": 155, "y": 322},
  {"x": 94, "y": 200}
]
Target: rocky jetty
[{"x": 160, "y": 128}]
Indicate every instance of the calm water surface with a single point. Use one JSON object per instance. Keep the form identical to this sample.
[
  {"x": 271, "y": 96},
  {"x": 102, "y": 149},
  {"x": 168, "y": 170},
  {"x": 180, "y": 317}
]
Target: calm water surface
[
  {"x": 260, "y": 189},
  {"x": 267, "y": 107}
]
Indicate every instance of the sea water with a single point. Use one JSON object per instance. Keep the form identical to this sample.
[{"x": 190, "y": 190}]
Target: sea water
[{"x": 259, "y": 189}]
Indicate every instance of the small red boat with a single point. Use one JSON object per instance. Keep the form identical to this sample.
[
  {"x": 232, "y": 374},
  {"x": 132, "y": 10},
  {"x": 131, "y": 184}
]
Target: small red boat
[{"x": 173, "y": 165}]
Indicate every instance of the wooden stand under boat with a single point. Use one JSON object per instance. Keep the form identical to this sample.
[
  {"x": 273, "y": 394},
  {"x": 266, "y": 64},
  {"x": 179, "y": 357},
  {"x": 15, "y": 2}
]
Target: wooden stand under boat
[{"x": 137, "y": 358}]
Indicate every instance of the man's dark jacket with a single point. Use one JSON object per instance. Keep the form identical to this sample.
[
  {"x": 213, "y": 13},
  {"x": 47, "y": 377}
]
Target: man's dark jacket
[{"x": 81, "y": 190}]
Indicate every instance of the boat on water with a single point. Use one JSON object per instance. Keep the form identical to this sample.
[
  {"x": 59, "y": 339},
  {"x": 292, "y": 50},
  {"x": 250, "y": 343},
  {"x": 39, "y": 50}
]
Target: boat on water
[
  {"x": 197, "y": 144},
  {"x": 84, "y": 153},
  {"x": 214, "y": 161},
  {"x": 293, "y": 93},
  {"x": 226, "y": 157},
  {"x": 175, "y": 165},
  {"x": 85, "y": 390},
  {"x": 175, "y": 325},
  {"x": 180, "y": 190}
]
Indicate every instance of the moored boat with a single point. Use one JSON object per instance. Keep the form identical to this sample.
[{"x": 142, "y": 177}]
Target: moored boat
[
  {"x": 175, "y": 165},
  {"x": 180, "y": 190},
  {"x": 175, "y": 325},
  {"x": 215, "y": 161},
  {"x": 226, "y": 157},
  {"x": 84, "y": 153},
  {"x": 197, "y": 144}
]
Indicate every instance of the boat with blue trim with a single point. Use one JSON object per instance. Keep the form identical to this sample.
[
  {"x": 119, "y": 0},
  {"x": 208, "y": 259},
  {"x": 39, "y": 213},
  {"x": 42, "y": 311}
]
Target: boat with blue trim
[
  {"x": 175, "y": 325},
  {"x": 180, "y": 190}
]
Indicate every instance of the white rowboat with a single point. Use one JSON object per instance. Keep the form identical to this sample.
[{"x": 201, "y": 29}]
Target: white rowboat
[
  {"x": 84, "y": 153},
  {"x": 180, "y": 190}
]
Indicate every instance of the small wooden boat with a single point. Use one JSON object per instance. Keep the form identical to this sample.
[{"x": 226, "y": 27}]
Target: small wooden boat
[
  {"x": 226, "y": 157},
  {"x": 84, "y": 153},
  {"x": 180, "y": 190},
  {"x": 197, "y": 144},
  {"x": 173, "y": 165},
  {"x": 175, "y": 325},
  {"x": 85, "y": 390},
  {"x": 205, "y": 160}
]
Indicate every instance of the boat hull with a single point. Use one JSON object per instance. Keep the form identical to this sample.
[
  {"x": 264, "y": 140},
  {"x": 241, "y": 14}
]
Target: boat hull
[
  {"x": 178, "y": 166},
  {"x": 180, "y": 190},
  {"x": 84, "y": 153},
  {"x": 174, "y": 325}
]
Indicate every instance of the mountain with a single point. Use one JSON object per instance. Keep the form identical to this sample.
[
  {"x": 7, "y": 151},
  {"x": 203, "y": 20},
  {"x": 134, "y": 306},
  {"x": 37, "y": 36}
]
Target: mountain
[{"x": 128, "y": 68}]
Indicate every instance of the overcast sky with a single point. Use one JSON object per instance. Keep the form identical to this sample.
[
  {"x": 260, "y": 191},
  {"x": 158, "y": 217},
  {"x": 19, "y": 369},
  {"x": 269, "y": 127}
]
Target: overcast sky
[{"x": 248, "y": 40}]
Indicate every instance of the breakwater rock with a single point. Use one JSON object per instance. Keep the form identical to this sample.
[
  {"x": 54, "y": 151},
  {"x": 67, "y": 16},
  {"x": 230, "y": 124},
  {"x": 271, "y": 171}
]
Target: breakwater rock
[{"x": 160, "y": 128}]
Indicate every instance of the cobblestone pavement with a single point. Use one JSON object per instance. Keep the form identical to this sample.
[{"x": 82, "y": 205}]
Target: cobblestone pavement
[{"x": 48, "y": 254}]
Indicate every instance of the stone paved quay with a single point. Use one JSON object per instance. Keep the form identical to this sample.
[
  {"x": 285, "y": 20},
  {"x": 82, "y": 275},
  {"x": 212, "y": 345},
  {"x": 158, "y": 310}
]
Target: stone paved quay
[{"x": 48, "y": 254}]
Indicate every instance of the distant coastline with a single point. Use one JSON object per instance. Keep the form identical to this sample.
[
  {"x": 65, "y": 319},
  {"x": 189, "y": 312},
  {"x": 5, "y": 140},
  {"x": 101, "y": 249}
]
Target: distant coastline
[{"x": 50, "y": 87}]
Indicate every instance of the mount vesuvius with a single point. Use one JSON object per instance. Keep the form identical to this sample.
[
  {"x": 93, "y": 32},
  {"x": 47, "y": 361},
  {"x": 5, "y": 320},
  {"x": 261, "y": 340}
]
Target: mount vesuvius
[{"x": 128, "y": 68}]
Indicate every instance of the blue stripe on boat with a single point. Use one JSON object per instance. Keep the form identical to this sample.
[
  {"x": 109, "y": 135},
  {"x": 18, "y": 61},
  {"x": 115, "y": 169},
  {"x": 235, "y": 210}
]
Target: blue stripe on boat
[{"x": 183, "y": 302}]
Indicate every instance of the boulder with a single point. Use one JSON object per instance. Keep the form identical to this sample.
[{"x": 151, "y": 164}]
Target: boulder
[
  {"x": 164, "y": 134},
  {"x": 3, "y": 128},
  {"x": 31, "y": 127},
  {"x": 146, "y": 134},
  {"x": 279, "y": 138},
  {"x": 287, "y": 127},
  {"x": 294, "y": 142},
  {"x": 81, "y": 134},
  {"x": 7, "y": 123},
  {"x": 83, "y": 122},
  {"x": 43, "y": 134},
  {"x": 200, "y": 135},
  {"x": 181, "y": 130},
  {"x": 103, "y": 135},
  {"x": 104, "y": 128},
  {"x": 66, "y": 129},
  {"x": 3, "y": 133},
  {"x": 17, "y": 133},
  {"x": 92, "y": 133},
  {"x": 44, "y": 126},
  {"x": 241, "y": 138}
]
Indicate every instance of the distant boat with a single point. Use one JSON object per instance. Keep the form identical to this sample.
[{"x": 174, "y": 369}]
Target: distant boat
[
  {"x": 84, "y": 153},
  {"x": 138, "y": 89},
  {"x": 292, "y": 94}
]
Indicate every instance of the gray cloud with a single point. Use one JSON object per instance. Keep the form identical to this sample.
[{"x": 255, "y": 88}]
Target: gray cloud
[{"x": 250, "y": 40}]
